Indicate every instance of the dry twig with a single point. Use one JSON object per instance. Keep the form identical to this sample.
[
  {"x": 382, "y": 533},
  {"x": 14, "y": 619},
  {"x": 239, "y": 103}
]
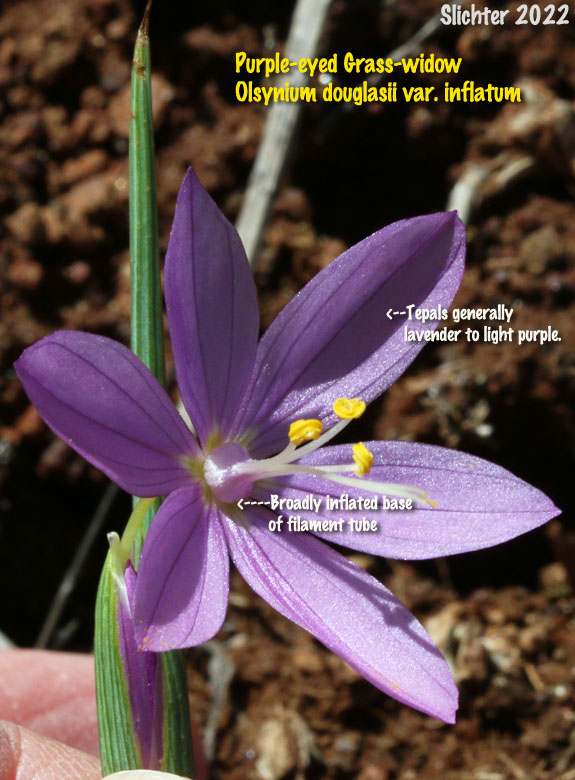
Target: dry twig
[
  {"x": 307, "y": 24},
  {"x": 71, "y": 576}
]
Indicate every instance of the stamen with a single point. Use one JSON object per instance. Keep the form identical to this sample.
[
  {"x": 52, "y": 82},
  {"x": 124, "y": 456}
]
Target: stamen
[
  {"x": 363, "y": 459},
  {"x": 381, "y": 488},
  {"x": 349, "y": 408},
  {"x": 304, "y": 430},
  {"x": 282, "y": 464},
  {"x": 327, "y": 436},
  {"x": 261, "y": 469}
]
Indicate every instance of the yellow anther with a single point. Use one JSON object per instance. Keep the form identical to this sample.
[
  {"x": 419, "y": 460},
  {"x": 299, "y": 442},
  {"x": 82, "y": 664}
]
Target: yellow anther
[
  {"x": 304, "y": 430},
  {"x": 363, "y": 459},
  {"x": 349, "y": 408},
  {"x": 429, "y": 501}
]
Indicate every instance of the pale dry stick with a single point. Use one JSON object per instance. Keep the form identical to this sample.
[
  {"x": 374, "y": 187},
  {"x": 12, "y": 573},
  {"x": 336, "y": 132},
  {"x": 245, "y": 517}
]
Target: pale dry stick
[
  {"x": 71, "y": 576},
  {"x": 407, "y": 48},
  {"x": 306, "y": 27},
  {"x": 282, "y": 118},
  {"x": 464, "y": 194},
  {"x": 480, "y": 181}
]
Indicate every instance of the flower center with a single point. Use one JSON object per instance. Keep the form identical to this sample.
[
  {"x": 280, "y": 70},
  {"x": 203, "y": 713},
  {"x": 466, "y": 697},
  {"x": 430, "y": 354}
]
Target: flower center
[
  {"x": 223, "y": 474},
  {"x": 230, "y": 473}
]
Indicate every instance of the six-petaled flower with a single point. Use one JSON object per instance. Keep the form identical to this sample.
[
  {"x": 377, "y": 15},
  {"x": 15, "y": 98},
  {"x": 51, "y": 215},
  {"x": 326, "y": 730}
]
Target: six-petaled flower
[{"x": 262, "y": 415}]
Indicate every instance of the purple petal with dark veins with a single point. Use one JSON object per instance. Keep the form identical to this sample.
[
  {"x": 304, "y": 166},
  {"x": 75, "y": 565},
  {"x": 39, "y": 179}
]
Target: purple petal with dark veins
[
  {"x": 335, "y": 339},
  {"x": 212, "y": 310},
  {"x": 143, "y": 679},
  {"x": 102, "y": 401},
  {"x": 183, "y": 578},
  {"x": 479, "y": 504},
  {"x": 346, "y": 609}
]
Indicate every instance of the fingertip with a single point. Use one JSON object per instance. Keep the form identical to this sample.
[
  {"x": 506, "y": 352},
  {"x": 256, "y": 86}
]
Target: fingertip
[
  {"x": 25, "y": 755},
  {"x": 10, "y": 743},
  {"x": 51, "y": 693}
]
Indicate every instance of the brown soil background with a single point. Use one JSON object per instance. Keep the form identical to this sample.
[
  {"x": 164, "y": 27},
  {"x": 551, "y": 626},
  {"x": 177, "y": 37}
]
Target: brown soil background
[{"x": 505, "y": 617}]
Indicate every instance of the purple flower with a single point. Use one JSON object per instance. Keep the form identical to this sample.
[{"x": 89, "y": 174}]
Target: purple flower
[{"x": 261, "y": 413}]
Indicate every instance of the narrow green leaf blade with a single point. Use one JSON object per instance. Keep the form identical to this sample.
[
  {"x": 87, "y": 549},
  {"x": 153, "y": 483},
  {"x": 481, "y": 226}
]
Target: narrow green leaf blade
[
  {"x": 147, "y": 332},
  {"x": 178, "y": 749}
]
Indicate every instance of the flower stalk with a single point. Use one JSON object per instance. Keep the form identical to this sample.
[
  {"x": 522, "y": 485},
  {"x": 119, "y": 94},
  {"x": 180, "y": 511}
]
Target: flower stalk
[{"x": 143, "y": 711}]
